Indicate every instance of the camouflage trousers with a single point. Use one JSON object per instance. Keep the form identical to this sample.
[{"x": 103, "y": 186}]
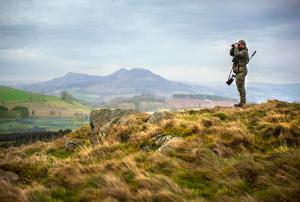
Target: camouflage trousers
[{"x": 240, "y": 82}]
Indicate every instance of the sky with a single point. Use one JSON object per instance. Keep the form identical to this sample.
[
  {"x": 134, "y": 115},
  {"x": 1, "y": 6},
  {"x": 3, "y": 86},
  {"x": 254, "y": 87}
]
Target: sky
[{"x": 180, "y": 40}]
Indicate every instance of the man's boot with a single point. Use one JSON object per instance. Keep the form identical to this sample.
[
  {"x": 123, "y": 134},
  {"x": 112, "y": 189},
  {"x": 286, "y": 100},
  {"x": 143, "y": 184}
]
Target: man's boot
[{"x": 239, "y": 105}]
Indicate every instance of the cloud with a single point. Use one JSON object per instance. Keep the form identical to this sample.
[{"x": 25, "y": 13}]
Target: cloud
[{"x": 182, "y": 40}]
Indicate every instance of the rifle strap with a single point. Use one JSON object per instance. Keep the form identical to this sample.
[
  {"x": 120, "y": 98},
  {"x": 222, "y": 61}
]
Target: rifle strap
[{"x": 230, "y": 74}]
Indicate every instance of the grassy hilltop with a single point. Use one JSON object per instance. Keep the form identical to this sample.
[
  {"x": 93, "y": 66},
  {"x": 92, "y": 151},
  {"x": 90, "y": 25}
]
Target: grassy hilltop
[{"x": 221, "y": 154}]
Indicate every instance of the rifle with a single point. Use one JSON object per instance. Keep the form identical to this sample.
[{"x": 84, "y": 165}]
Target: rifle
[{"x": 231, "y": 76}]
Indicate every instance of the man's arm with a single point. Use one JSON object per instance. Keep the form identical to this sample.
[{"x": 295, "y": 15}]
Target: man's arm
[{"x": 242, "y": 53}]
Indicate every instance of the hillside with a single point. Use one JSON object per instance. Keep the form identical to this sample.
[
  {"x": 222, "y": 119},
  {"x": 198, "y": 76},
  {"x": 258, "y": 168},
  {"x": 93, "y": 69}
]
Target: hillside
[
  {"x": 220, "y": 154},
  {"x": 14, "y": 95},
  {"x": 122, "y": 83},
  {"x": 41, "y": 104}
]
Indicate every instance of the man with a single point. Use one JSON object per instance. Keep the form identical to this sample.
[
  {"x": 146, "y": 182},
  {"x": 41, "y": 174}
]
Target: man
[{"x": 240, "y": 69}]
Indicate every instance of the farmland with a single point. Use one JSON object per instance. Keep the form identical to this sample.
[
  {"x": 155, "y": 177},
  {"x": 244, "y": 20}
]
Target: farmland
[
  {"x": 41, "y": 105},
  {"x": 40, "y": 124}
]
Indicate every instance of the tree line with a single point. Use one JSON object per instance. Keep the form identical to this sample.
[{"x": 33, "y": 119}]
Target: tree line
[{"x": 16, "y": 112}]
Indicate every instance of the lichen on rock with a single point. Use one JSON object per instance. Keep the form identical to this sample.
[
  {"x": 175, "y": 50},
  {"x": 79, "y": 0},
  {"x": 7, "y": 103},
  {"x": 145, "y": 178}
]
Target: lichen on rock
[
  {"x": 159, "y": 143},
  {"x": 101, "y": 121},
  {"x": 159, "y": 116}
]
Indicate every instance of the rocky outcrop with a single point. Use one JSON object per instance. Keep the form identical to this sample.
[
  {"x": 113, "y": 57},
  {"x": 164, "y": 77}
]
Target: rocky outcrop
[
  {"x": 102, "y": 120},
  {"x": 159, "y": 143},
  {"x": 158, "y": 116},
  {"x": 98, "y": 118},
  {"x": 72, "y": 144}
]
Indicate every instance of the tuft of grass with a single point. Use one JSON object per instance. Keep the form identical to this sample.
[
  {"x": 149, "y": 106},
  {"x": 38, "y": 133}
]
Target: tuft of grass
[
  {"x": 63, "y": 194},
  {"x": 60, "y": 153},
  {"x": 28, "y": 170},
  {"x": 222, "y": 116},
  {"x": 10, "y": 193}
]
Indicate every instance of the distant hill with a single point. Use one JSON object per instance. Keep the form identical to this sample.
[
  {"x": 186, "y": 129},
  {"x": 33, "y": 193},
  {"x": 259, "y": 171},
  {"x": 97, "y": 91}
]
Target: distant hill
[
  {"x": 121, "y": 83},
  {"x": 41, "y": 104},
  {"x": 204, "y": 97},
  {"x": 128, "y": 83},
  {"x": 70, "y": 80},
  {"x": 260, "y": 92}
]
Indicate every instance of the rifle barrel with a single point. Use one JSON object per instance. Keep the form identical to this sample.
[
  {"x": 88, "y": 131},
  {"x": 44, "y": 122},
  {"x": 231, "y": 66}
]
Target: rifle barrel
[{"x": 252, "y": 55}]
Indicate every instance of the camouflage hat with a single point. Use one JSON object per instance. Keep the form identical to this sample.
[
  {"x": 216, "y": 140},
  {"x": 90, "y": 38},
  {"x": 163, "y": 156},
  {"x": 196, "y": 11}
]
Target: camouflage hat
[{"x": 242, "y": 42}]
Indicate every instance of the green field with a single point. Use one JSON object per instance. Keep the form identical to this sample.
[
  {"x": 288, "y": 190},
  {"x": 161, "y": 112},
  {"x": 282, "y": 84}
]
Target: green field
[
  {"x": 41, "y": 104},
  {"x": 40, "y": 124},
  {"x": 8, "y": 94}
]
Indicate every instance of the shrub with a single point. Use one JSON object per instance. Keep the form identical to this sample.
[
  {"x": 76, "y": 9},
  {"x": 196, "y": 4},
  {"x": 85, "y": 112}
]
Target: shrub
[
  {"x": 66, "y": 96},
  {"x": 23, "y": 112},
  {"x": 3, "y": 112}
]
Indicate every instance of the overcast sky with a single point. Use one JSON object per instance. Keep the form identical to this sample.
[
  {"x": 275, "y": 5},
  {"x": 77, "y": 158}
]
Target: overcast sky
[{"x": 185, "y": 40}]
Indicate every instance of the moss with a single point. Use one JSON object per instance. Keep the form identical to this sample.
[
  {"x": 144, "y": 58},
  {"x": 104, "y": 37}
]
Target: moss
[
  {"x": 129, "y": 177},
  {"x": 222, "y": 116},
  {"x": 39, "y": 196},
  {"x": 198, "y": 181},
  {"x": 60, "y": 153},
  {"x": 181, "y": 131},
  {"x": 60, "y": 193},
  {"x": 193, "y": 117}
]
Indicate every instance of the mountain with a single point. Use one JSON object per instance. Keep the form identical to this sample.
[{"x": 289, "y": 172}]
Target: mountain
[
  {"x": 221, "y": 154},
  {"x": 137, "y": 81},
  {"x": 120, "y": 83},
  {"x": 69, "y": 80}
]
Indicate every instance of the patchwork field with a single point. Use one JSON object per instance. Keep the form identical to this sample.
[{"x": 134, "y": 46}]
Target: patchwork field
[{"x": 41, "y": 124}]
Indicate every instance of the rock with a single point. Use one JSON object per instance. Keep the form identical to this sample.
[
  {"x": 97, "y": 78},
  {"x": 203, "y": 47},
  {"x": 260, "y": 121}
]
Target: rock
[
  {"x": 98, "y": 118},
  {"x": 168, "y": 144},
  {"x": 158, "y": 116},
  {"x": 72, "y": 144},
  {"x": 99, "y": 134},
  {"x": 102, "y": 121},
  {"x": 159, "y": 143},
  {"x": 222, "y": 151}
]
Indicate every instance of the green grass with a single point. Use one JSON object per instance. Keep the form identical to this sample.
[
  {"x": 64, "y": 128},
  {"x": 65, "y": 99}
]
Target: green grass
[
  {"x": 11, "y": 97},
  {"x": 8, "y": 94},
  {"x": 59, "y": 153}
]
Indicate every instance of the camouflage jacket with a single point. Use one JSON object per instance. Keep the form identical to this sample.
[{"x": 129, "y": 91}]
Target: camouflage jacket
[{"x": 242, "y": 55}]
